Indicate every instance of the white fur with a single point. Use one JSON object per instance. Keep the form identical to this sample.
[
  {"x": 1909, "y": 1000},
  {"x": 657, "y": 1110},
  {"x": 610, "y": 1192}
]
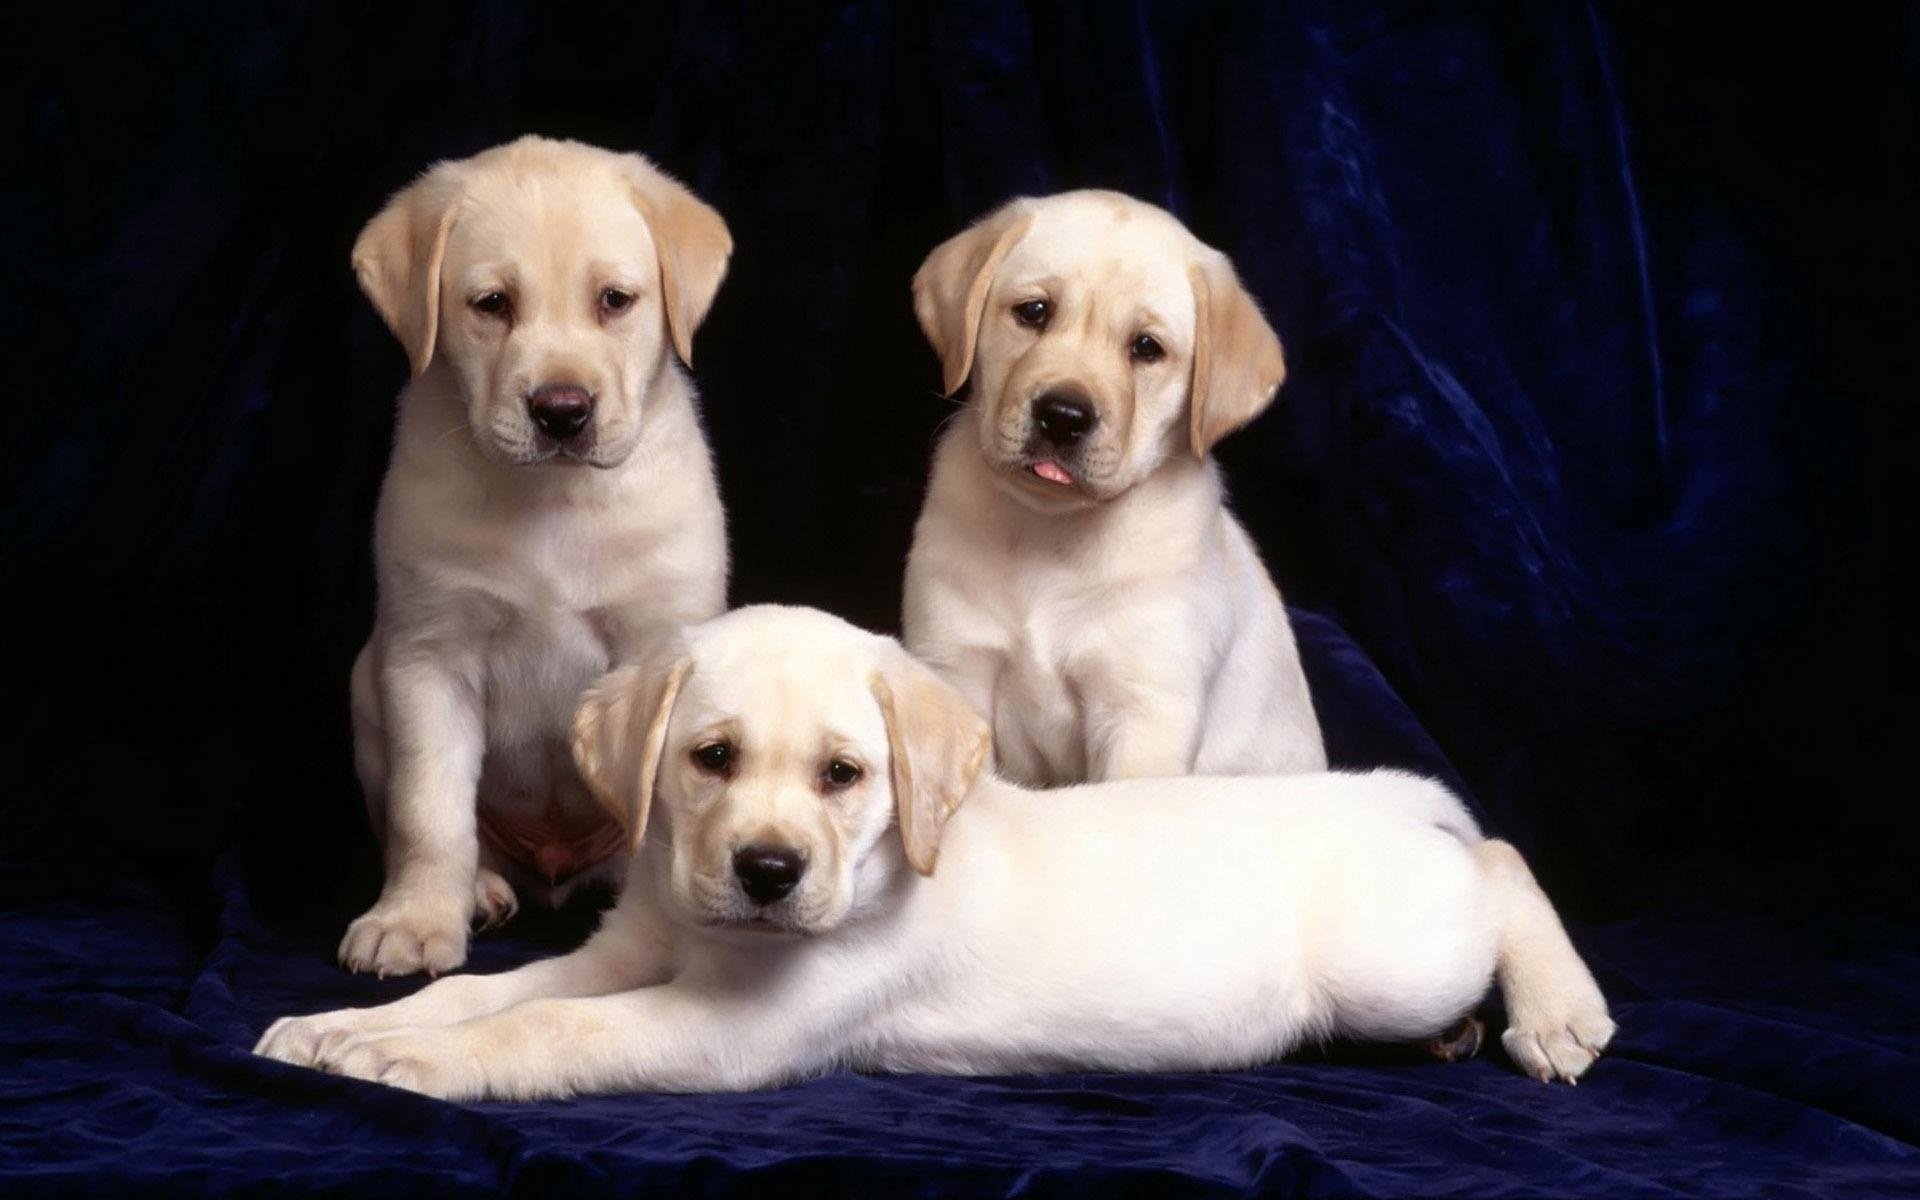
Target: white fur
[
  {"x": 510, "y": 576},
  {"x": 1164, "y": 924},
  {"x": 1124, "y": 626},
  {"x": 1139, "y": 638}
]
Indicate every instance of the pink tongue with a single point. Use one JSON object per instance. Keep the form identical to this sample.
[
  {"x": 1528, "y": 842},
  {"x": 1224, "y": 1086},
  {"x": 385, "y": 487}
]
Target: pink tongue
[{"x": 1052, "y": 472}]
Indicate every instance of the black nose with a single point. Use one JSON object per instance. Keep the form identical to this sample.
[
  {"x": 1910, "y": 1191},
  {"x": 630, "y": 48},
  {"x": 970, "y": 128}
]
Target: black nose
[
  {"x": 560, "y": 410},
  {"x": 1063, "y": 417},
  {"x": 768, "y": 872}
]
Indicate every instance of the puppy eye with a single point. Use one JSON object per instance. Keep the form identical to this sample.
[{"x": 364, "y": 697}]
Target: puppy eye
[
  {"x": 715, "y": 758},
  {"x": 1146, "y": 350},
  {"x": 841, "y": 773},
  {"x": 616, "y": 301},
  {"x": 492, "y": 304},
  {"x": 1033, "y": 313}
]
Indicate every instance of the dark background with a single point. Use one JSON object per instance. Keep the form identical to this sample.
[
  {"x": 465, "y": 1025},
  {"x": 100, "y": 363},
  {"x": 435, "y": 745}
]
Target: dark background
[{"x": 1587, "y": 484}]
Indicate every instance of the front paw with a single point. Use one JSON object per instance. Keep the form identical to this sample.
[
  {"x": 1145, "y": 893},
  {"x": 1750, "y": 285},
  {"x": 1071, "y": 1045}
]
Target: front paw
[
  {"x": 418, "y": 1060},
  {"x": 400, "y": 937},
  {"x": 1562, "y": 1046},
  {"x": 303, "y": 1041}
]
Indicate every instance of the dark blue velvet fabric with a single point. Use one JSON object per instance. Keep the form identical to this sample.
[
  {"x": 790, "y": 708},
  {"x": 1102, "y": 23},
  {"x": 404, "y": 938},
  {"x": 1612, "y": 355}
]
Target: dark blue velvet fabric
[{"x": 1586, "y": 486}]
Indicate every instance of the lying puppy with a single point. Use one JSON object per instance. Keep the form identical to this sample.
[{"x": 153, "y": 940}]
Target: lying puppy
[
  {"x": 550, "y": 507},
  {"x": 1075, "y": 572},
  {"x": 797, "y": 779}
]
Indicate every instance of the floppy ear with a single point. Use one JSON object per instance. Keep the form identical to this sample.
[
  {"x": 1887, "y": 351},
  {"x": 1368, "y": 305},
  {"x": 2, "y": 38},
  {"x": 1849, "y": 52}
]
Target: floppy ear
[
  {"x": 619, "y": 731},
  {"x": 1237, "y": 366},
  {"x": 950, "y": 288},
  {"x": 938, "y": 744},
  {"x": 693, "y": 246},
  {"x": 397, "y": 259}
]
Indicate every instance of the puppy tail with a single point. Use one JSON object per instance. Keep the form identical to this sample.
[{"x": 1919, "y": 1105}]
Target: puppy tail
[{"x": 1557, "y": 1022}]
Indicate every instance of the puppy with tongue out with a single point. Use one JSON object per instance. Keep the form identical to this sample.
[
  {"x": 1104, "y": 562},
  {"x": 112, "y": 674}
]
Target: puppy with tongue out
[{"x": 1075, "y": 571}]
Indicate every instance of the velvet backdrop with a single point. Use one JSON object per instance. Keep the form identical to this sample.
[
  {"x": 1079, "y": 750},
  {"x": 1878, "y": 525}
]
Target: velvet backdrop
[{"x": 1584, "y": 487}]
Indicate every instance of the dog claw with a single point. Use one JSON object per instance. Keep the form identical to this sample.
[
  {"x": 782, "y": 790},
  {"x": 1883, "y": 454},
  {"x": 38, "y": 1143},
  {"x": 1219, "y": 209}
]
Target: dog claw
[{"x": 1458, "y": 1044}]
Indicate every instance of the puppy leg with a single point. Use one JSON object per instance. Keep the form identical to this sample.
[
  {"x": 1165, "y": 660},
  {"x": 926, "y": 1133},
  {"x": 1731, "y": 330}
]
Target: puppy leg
[
  {"x": 1557, "y": 1021},
  {"x": 1141, "y": 731},
  {"x": 369, "y": 737},
  {"x": 672, "y": 1038},
  {"x": 972, "y": 672},
  {"x": 494, "y": 901},
  {"x": 434, "y": 727},
  {"x": 628, "y": 952}
]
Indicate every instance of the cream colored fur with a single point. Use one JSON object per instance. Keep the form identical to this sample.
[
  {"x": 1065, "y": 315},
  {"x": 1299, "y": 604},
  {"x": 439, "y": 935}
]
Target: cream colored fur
[
  {"x": 512, "y": 572},
  {"x": 1119, "y": 624},
  {"x": 948, "y": 921}
]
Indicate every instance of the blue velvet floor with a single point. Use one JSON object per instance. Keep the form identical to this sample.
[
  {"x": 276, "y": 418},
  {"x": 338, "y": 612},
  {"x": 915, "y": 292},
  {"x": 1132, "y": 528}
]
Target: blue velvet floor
[
  {"x": 127, "y": 1034},
  {"x": 1755, "y": 1057}
]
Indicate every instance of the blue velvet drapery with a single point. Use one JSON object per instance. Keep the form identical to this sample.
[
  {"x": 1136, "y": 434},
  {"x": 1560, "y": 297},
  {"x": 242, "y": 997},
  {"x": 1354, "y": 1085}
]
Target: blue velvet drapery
[{"x": 1585, "y": 485}]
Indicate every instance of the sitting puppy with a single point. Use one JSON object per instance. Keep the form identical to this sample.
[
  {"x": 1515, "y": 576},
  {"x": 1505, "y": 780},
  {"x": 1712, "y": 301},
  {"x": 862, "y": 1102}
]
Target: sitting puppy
[
  {"x": 796, "y": 780},
  {"x": 550, "y": 507},
  {"x": 1075, "y": 572}
]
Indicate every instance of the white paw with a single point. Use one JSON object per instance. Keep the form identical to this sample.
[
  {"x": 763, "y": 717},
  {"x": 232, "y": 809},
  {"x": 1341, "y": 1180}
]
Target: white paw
[
  {"x": 418, "y": 1060},
  {"x": 402, "y": 937},
  {"x": 493, "y": 900},
  {"x": 1562, "y": 1047},
  {"x": 302, "y": 1040}
]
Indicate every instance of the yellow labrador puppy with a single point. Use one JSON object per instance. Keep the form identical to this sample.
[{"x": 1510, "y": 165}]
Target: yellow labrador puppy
[
  {"x": 549, "y": 508},
  {"x": 1075, "y": 572},
  {"x": 796, "y": 780}
]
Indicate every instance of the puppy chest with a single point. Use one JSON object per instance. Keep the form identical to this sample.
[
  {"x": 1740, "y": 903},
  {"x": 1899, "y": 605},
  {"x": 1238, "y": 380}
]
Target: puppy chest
[
  {"x": 1038, "y": 722},
  {"x": 537, "y": 664}
]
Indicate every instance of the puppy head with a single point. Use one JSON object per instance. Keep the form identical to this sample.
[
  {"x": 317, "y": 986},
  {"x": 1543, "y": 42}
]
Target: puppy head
[
  {"x": 1102, "y": 338},
  {"x": 771, "y": 750},
  {"x": 549, "y": 277}
]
